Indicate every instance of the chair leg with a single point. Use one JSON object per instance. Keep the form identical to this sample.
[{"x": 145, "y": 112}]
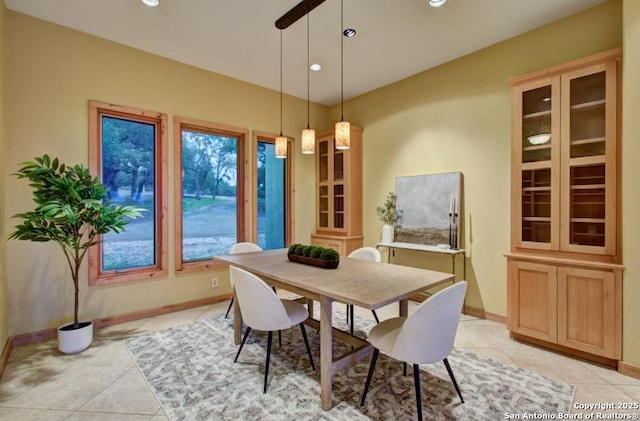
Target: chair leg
[
  {"x": 266, "y": 365},
  {"x": 416, "y": 380},
  {"x": 352, "y": 319},
  {"x": 244, "y": 338},
  {"x": 229, "y": 309},
  {"x": 280, "y": 338},
  {"x": 374, "y": 358},
  {"x": 453, "y": 379},
  {"x": 375, "y": 316},
  {"x": 306, "y": 342}
]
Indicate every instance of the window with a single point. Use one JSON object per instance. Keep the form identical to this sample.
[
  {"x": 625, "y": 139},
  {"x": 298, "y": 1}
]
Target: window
[
  {"x": 273, "y": 193},
  {"x": 127, "y": 148},
  {"x": 210, "y": 192}
]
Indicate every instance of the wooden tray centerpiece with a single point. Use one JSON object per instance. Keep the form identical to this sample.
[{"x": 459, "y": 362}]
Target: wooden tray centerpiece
[{"x": 314, "y": 256}]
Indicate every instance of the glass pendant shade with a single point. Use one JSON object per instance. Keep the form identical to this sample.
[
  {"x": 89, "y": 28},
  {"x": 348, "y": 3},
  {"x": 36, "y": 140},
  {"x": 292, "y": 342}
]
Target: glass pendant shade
[
  {"x": 281, "y": 146},
  {"x": 308, "y": 141},
  {"x": 343, "y": 129}
]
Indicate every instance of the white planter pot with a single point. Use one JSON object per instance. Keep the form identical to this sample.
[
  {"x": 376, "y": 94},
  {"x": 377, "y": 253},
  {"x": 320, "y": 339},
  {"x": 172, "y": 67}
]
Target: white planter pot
[
  {"x": 72, "y": 341},
  {"x": 387, "y": 233}
]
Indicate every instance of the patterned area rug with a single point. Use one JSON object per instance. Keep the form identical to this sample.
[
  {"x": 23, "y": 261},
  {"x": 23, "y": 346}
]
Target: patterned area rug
[{"x": 191, "y": 371}]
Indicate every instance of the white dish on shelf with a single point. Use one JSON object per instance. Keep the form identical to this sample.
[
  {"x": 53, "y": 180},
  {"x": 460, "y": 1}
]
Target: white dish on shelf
[
  {"x": 539, "y": 139},
  {"x": 444, "y": 246}
]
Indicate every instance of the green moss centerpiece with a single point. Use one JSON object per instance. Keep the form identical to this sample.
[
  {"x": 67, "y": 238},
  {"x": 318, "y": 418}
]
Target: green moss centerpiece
[{"x": 314, "y": 256}]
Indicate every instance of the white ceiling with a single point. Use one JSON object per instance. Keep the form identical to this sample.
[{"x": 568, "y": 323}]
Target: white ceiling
[{"x": 395, "y": 38}]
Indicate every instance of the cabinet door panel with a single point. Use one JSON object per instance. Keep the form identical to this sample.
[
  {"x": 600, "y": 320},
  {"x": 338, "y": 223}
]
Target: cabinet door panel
[
  {"x": 535, "y": 164},
  {"x": 588, "y": 171},
  {"x": 532, "y": 300},
  {"x": 587, "y": 310}
]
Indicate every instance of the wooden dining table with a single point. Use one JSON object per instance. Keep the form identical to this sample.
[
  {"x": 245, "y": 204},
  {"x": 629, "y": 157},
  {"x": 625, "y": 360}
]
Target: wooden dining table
[{"x": 362, "y": 283}]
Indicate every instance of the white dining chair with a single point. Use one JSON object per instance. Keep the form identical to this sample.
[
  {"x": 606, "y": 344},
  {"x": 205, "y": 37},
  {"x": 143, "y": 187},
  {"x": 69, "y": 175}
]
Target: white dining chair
[
  {"x": 262, "y": 310},
  {"x": 243, "y": 247},
  {"x": 363, "y": 253},
  {"x": 425, "y": 337}
]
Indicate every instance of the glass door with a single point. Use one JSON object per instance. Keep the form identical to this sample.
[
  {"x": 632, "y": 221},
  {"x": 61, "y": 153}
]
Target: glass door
[
  {"x": 589, "y": 146},
  {"x": 323, "y": 185},
  {"x": 538, "y": 157}
]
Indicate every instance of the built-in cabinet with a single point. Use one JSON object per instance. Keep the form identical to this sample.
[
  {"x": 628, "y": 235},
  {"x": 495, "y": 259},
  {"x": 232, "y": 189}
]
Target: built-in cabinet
[
  {"x": 564, "y": 268},
  {"x": 338, "y": 193}
]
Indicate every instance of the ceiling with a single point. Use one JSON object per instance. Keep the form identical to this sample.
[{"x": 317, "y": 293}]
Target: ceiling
[{"x": 238, "y": 38}]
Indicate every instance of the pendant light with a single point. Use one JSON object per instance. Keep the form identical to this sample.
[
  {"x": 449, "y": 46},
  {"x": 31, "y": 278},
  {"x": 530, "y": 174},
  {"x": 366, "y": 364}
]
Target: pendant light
[
  {"x": 308, "y": 134},
  {"x": 343, "y": 128},
  {"x": 281, "y": 141}
]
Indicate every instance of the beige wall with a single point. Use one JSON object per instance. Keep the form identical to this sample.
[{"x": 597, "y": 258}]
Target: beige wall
[
  {"x": 630, "y": 177},
  {"x": 4, "y": 299},
  {"x": 53, "y": 72}
]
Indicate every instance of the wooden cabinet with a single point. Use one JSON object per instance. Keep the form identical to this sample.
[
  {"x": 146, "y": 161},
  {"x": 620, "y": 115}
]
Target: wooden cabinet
[
  {"x": 564, "y": 265},
  {"x": 565, "y": 158},
  {"x": 338, "y": 193},
  {"x": 559, "y": 302}
]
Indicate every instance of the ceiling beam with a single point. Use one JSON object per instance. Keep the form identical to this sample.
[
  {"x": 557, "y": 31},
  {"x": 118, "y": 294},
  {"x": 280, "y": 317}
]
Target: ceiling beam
[{"x": 298, "y": 11}]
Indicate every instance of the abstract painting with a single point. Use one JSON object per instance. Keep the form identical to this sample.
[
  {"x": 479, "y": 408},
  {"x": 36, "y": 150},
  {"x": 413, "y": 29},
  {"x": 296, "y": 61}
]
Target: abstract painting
[{"x": 430, "y": 209}]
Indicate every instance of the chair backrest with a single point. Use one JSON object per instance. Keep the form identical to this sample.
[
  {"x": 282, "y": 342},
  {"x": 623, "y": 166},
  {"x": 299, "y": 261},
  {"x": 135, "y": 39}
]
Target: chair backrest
[
  {"x": 428, "y": 334},
  {"x": 244, "y": 247},
  {"x": 366, "y": 253},
  {"x": 260, "y": 307}
]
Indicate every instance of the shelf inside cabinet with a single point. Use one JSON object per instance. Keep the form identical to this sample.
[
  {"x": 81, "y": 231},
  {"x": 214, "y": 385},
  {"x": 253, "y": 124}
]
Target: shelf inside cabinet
[
  {"x": 545, "y": 113},
  {"x": 587, "y": 105}
]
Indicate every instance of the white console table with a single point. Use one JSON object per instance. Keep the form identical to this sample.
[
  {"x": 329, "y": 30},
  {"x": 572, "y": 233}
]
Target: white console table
[{"x": 428, "y": 249}]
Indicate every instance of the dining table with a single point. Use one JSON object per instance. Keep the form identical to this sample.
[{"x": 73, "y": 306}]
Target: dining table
[{"x": 362, "y": 283}]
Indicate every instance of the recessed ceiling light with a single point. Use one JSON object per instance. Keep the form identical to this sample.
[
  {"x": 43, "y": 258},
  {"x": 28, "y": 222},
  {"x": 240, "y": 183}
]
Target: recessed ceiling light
[
  {"x": 436, "y": 3},
  {"x": 349, "y": 32},
  {"x": 315, "y": 67},
  {"x": 152, "y": 3}
]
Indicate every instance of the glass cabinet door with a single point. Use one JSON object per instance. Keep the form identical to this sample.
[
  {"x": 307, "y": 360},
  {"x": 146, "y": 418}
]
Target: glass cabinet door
[
  {"x": 322, "y": 218},
  {"x": 587, "y": 153},
  {"x": 539, "y": 156}
]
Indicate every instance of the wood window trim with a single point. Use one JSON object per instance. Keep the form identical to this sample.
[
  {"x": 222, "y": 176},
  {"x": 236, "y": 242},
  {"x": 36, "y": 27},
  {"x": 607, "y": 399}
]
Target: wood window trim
[
  {"x": 258, "y": 136},
  {"x": 96, "y": 110},
  {"x": 243, "y": 229}
]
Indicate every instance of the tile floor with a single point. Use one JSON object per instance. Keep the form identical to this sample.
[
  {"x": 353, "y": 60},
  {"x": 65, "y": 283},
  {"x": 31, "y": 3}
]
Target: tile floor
[{"x": 102, "y": 383}]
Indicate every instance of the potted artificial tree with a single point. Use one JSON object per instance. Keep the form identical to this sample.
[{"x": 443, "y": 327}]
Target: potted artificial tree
[
  {"x": 69, "y": 211},
  {"x": 388, "y": 214}
]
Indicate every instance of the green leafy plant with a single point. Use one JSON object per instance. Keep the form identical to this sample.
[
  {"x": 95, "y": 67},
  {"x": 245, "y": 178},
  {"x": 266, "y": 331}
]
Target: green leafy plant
[
  {"x": 329, "y": 254},
  {"x": 69, "y": 211},
  {"x": 388, "y": 213},
  {"x": 315, "y": 252}
]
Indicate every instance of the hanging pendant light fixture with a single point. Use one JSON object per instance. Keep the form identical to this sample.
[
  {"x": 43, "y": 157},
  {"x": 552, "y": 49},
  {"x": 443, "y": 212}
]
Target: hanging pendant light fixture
[
  {"x": 308, "y": 134},
  {"x": 343, "y": 128},
  {"x": 281, "y": 141}
]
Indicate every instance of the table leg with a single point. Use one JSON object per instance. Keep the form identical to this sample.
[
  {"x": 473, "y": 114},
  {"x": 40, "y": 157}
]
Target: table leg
[
  {"x": 326, "y": 353},
  {"x": 237, "y": 321},
  {"x": 403, "y": 308}
]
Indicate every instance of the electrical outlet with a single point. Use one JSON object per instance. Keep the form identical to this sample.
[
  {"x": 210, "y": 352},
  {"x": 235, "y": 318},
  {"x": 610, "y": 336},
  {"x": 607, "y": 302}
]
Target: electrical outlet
[{"x": 214, "y": 282}]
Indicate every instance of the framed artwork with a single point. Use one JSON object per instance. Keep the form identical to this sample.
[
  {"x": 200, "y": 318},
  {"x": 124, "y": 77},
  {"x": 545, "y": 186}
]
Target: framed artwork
[{"x": 429, "y": 208}]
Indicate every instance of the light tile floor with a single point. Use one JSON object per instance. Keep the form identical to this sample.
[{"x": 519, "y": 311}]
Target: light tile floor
[{"x": 103, "y": 383}]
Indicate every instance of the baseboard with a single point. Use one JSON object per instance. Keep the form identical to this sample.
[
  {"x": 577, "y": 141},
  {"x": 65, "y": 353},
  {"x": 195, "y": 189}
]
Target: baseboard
[
  {"x": 481, "y": 314},
  {"x": 629, "y": 369},
  {"x": 4, "y": 357},
  {"x": 609, "y": 362},
  {"x": 33, "y": 337}
]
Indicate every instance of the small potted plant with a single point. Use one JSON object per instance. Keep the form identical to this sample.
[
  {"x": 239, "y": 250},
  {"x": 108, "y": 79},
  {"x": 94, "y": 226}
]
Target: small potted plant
[
  {"x": 314, "y": 256},
  {"x": 388, "y": 214},
  {"x": 71, "y": 212}
]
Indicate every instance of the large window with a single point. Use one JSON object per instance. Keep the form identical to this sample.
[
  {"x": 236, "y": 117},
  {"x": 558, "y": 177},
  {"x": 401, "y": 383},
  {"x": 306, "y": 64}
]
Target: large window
[
  {"x": 209, "y": 192},
  {"x": 273, "y": 190},
  {"x": 126, "y": 149}
]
